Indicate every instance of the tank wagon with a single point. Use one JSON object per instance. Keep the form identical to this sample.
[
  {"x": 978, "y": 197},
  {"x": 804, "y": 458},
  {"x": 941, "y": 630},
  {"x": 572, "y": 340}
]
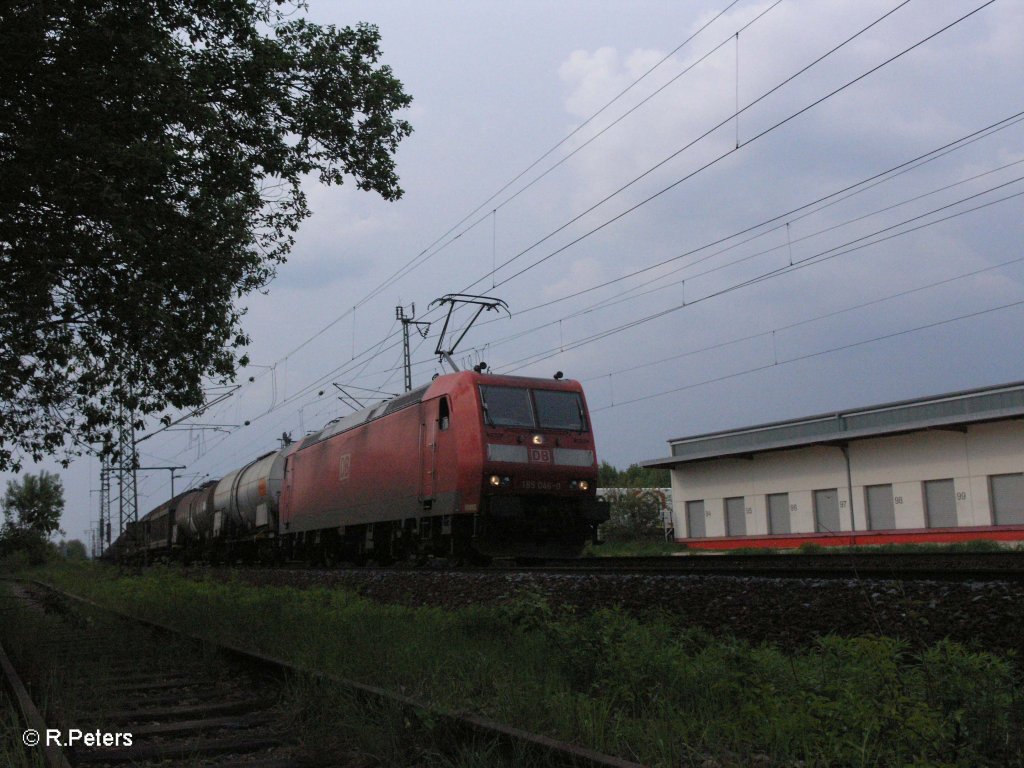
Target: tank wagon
[{"x": 472, "y": 465}]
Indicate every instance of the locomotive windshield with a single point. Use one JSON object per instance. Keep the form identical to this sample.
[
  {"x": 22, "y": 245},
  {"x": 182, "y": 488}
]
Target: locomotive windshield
[
  {"x": 514, "y": 407},
  {"x": 559, "y": 410},
  {"x": 507, "y": 407}
]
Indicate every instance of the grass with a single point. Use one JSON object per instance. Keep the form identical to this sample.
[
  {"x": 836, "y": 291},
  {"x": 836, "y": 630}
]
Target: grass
[
  {"x": 332, "y": 725},
  {"x": 649, "y": 688},
  {"x": 12, "y": 753},
  {"x": 640, "y": 548},
  {"x": 977, "y": 545},
  {"x": 656, "y": 547}
]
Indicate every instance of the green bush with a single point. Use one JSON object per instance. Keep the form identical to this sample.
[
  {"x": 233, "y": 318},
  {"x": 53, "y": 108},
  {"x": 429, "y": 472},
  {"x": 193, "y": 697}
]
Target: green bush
[{"x": 636, "y": 514}]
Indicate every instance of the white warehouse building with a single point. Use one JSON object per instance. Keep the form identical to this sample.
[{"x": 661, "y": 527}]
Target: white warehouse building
[{"x": 946, "y": 468}]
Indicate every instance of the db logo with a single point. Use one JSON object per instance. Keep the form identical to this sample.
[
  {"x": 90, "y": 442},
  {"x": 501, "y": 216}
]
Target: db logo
[{"x": 540, "y": 455}]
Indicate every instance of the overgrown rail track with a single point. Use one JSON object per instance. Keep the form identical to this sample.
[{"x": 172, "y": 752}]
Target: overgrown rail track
[
  {"x": 119, "y": 694},
  {"x": 183, "y": 701}
]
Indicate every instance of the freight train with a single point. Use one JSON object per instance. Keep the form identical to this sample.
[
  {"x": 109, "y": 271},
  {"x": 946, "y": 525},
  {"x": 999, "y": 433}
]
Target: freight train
[{"x": 471, "y": 466}]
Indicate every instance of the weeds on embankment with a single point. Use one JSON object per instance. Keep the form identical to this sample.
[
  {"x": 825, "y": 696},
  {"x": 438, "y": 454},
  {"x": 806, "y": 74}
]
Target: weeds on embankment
[
  {"x": 650, "y": 689},
  {"x": 639, "y": 548}
]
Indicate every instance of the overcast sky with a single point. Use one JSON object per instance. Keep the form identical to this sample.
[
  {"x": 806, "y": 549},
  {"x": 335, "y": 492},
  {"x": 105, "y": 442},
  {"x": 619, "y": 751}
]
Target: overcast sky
[{"x": 696, "y": 271}]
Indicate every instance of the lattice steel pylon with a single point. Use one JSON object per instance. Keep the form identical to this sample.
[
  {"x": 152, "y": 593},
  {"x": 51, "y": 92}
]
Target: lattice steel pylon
[
  {"x": 421, "y": 327},
  {"x": 104, "y": 504},
  {"x": 128, "y": 504}
]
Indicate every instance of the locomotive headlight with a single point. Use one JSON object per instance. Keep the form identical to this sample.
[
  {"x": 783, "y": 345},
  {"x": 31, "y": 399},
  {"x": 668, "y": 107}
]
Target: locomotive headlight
[
  {"x": 495, "y": 481},
  {"x": 538, "y": 440},
  {"x": 584, "y": 485}
]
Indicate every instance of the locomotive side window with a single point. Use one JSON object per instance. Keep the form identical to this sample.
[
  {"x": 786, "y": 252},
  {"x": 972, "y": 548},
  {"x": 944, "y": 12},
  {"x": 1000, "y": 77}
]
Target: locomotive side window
[
  {"x": 559, "y": 410},
  {"x": 507, "y": 407},
  {"x": 443, "y": 417}
]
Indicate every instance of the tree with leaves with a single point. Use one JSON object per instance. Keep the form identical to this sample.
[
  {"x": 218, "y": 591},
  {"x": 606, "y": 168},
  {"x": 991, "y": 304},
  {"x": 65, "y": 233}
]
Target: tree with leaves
[
  {"x": 151, "y": 160},
  {"x": 35, "y": 504},
  {"x": 635, "y": 476},
  {"x": 32, "y": 510},
  {"x": 73, "y": 550}
]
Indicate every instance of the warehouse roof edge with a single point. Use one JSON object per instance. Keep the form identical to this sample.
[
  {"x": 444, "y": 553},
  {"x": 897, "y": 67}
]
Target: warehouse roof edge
[{"x": 946, "y": 411}]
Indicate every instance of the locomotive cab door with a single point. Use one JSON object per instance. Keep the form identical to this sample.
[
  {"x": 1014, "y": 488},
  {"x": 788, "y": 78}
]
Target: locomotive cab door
[
  {"x": 434, "y": 426},
  {"x": 428, "y": 451}
]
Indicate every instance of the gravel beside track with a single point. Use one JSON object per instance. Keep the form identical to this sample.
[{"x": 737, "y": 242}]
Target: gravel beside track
[{"x": 791, "y": 612}]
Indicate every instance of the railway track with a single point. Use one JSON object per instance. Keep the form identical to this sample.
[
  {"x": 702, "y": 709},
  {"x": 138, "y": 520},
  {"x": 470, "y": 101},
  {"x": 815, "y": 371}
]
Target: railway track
[
  {"x": 945, "y": 566},
  {"x": 152, "y": 696},
  {"x": 119, "y": 694}
]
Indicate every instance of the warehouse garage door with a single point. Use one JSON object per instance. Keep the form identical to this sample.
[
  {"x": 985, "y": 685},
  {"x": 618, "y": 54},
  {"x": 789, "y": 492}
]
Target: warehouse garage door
[
  {"x": 778, "y": 513},
  {"x": 826, "y": 511},
  {"x": 1007, "y": 492},
  {"x": 940, "y": 504},
  {"x": 735, "y": 518},
  {"x": 695, "y": 520},
  {"x": 881, "y": 514}
]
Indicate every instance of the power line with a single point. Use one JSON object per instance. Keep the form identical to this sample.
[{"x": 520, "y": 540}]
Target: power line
[
  {"x": 726, "y": 154},
  {"x": 412, "y": 263},
  {"x": 808, "y": 321},
  {"x": 359, "y": 368},
  {"x": 427, "y": 253},
  {"x": 789, "y": 216},
  {"x": 811, "y": 355},
  {"x": 819, "y": 258},
  {"x": 755, "y": 138},
  {"x": 808, "y": 209},
  {"x": 626, "y": 299},
  {"x": 565, "y": 158},
  {"x": 342, "y": 372},
  {"x": 722, "y": 156}
]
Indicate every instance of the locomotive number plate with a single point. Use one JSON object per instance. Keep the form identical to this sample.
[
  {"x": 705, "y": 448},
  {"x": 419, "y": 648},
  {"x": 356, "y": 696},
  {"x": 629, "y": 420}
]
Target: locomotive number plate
[
  {"x": 540, "y": 455},
  {"x": 539, "y": 485}
]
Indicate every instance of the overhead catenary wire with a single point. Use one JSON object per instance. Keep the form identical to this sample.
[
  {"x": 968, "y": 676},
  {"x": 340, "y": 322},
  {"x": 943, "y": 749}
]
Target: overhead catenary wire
[
  {"x": 441, "y": 243},
  {"x": 427, "y": 254},
  {"x": 794, "y": 214},
  {"x": 633, "y": 293},
  {"x": 818, "y": 258},
  {"x": 416, "y": 260},
  {"x": 724, "y": 155},
  {"x": 811, "y": 355},
  {"x": 807, "y": 321},
  {"x": 379, "y": 347},
  {"x": 720, "y": 157},
  {"x": 846, "y": 247},
  {"x": 342, "y": 371},
  {"x": 604, "y": 304},
  {"x": 753, "y": 139}
]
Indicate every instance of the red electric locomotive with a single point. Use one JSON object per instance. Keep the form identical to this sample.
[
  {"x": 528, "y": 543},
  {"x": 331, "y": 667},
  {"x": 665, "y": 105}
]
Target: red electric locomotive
[{"x": 471, "y": 465}]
